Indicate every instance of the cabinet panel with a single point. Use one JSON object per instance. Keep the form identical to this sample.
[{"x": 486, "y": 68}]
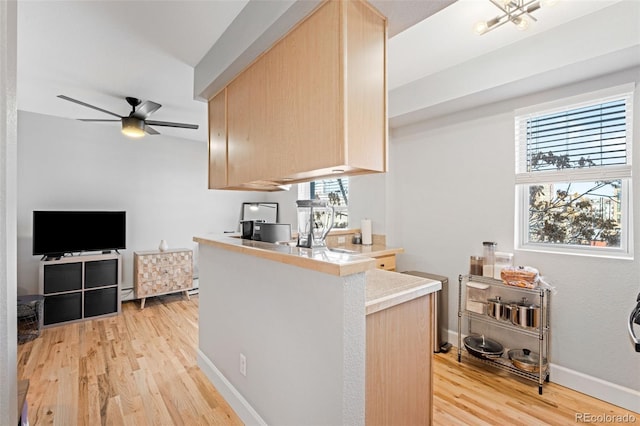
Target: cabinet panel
[
  {"x": 366, "y": 83},
  {"x": 218, "y": 141},
  {"x": 312, "y": 106},
  {"x": 284, "y": 112},
  {"x": 100, "y": 302},
  {"x": 399, "y": 350},
  {"x": 62, "y": 308},
  {"x": 101, "y": 273},
  {"x": 63, "y": 277}
]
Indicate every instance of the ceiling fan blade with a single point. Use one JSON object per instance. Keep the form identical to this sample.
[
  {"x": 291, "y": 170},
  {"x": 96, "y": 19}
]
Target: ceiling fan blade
[
  {"x": 66, "y": 98},
  {"x": 146, "y": 109},
  {"x": 170, "y": 124},
  {"x": 95, "y": 119},
  {"x": 151, "y": 130}
]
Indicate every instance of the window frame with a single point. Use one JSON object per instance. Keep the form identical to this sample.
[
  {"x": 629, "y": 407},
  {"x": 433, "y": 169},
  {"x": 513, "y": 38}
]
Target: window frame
[
  {"x": 304, "y": 191},
  {"x": 525, "y": 179}
]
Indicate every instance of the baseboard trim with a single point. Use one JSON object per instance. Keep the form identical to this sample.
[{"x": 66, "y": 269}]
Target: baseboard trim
[
  {"x": 623, "y": 397},
  {"x": 241, "y": 406},
  {"x": 612, "y": 393}
]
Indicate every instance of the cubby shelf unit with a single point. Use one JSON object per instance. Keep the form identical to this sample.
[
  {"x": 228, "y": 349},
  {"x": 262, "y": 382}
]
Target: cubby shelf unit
[{"x": 80, "y": 287}]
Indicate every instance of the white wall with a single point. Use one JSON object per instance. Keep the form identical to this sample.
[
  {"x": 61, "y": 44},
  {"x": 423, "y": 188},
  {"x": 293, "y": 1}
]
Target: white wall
[
  {"x": 303, "y": 335},
  {"x": 8, "y": 139},
  {"x": 160, "y": 181},
  {"x": 451, "y": 186},
  {"x": 287, "y": 212},
  {"x": 368, "y": 201}
]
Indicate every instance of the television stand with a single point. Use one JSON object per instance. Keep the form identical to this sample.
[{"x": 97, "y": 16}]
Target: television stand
[
  {"x": 77, "y": 288},
  {"x": 52, "y": 257}
]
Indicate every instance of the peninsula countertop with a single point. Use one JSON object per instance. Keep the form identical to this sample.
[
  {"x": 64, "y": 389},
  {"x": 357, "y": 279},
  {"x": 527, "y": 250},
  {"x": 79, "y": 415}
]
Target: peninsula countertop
[
  {"x": 384, "y": 289},
  {"x": 322, "y": 260}
]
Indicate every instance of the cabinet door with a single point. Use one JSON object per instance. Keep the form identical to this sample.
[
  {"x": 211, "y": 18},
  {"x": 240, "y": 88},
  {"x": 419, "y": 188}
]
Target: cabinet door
[
  {"x": 286, "y": 111},
  {"x": 218, "y": 141},
  {"x": 399, "y": 350},
  {"x": 100, "y": 302},
  {"x": 101, "y": 273},
  {"x": 62, "y": 308},
  {"x": 62, "y": 277},
  {"x": 366, "y": 87}
]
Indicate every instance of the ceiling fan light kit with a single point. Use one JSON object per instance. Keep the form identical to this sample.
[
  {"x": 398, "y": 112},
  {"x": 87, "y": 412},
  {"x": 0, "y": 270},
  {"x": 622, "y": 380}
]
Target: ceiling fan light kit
[
  {"x": 518, "y": 12},
  {"x": 135, "y": 125}
]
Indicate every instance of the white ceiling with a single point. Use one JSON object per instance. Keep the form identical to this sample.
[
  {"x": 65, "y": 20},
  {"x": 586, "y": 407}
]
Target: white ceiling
[
  {"x": 100, "y": 51},
  {"x": 447, "y": 38}
]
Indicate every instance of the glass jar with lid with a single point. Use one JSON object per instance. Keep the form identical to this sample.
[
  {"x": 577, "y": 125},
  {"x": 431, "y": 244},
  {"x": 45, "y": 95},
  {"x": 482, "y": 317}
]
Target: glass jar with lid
[
  {"x": 475, "y": 265},
  {"x": 489, "y": 255}
]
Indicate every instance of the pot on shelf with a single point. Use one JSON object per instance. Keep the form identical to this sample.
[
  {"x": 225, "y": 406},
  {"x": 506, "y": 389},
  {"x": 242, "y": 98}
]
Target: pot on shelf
[
  {"x": 495, "y": 307},
  {"x": 526, "y": 314},
  {"x": 509, "y": 312}
]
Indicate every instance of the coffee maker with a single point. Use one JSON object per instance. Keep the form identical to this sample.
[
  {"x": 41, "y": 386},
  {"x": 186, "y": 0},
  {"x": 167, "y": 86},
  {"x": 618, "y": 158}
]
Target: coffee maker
[{"x": 315, "y": 220}]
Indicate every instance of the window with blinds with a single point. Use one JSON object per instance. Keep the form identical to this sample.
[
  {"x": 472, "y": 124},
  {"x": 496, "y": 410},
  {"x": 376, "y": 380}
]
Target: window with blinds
[
  {"x": 335, "y": 191},
  {"x": 573, "y": 170}
]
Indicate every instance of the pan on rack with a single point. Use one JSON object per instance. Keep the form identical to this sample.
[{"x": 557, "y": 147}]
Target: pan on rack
[
  {"x": 482, "y": 347},
  {"x": 525, "y": 360}
]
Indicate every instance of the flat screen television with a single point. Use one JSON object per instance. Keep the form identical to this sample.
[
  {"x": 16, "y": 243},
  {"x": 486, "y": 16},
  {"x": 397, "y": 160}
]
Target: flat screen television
[{"x": 58, "y": 232}]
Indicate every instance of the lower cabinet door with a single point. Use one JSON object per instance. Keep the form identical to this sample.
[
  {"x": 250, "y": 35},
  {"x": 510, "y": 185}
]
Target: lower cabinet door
[
  {"x": 62, "y": 308},
  {"x": 100, "y": 302}
]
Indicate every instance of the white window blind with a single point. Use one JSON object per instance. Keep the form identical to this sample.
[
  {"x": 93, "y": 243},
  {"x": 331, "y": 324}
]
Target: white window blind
[{"x": 586, "y": 140}]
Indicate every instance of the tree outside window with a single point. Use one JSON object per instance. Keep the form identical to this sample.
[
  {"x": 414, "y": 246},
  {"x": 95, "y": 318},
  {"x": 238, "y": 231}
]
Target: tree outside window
[
  {"x": 576, "y": 213},
  {"x": 335, "y": 191}
]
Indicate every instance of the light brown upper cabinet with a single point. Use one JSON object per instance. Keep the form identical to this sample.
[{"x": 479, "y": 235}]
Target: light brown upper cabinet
[
  {"x": 313, "y": 105},
  {"x": 218, "y": 140}
]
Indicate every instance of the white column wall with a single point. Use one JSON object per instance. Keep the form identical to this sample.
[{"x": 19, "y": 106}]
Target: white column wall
[
  {"x": 8, "y": 139},
  {"x": 302, "y": 332}
]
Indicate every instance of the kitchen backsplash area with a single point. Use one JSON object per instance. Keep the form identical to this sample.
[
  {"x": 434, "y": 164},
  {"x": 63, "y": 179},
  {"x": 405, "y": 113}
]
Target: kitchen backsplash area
[{"x": 336, "y": 236}]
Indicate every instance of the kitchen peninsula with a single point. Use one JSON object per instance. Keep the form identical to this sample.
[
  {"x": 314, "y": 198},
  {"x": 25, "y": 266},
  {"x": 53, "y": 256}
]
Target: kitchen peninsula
[{"x": 298, "y": 336}]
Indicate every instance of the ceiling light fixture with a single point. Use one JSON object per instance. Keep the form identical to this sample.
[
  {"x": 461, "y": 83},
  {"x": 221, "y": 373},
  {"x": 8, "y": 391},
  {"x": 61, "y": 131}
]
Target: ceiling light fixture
[
  {"x": 518, "y": 12},
  {"x": 133, "y": 127}
]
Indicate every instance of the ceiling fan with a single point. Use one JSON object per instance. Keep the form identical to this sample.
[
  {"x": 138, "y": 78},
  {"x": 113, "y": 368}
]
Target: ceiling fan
[{"x": 135, "y": 124}]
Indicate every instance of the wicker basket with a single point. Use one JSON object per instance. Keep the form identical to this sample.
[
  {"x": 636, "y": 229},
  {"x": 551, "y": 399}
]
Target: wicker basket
[{"x": 519, "y": 277}]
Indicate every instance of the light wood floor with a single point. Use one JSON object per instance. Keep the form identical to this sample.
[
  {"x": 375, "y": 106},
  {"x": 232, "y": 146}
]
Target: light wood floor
[
  {"x": 140, "y": 368},
  {"x": 468, "y": 394}
]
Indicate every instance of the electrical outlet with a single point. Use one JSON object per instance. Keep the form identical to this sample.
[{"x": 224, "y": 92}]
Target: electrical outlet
[
  {"x": 243, "y": 365},
  {"x": 341, "y": 240}
]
